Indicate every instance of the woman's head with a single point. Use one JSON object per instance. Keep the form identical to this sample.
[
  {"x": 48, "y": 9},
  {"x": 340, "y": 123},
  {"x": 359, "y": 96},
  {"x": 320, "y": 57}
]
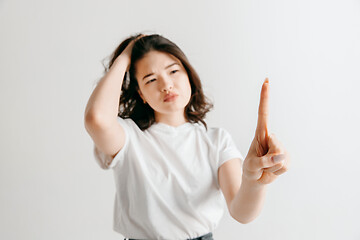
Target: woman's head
[
  {"x": 164, "y": 85},
  {"x": 159, "y": 70}
]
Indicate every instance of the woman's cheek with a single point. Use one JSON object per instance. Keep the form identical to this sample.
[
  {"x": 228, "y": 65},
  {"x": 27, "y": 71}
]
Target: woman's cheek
[{"x": 188, "y": 91}]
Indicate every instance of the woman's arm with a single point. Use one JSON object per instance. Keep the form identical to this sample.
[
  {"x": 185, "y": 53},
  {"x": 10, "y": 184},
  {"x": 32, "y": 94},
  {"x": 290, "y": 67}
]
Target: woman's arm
[
  {"x": 244, "y": 198},
  {"x": 248, "y": 202},
  {"x": 103, "y": 104},
  {"x": 257, "y": 173},
  {"x": 266, "y": 160},
  {"x": 102, "y": 108}
]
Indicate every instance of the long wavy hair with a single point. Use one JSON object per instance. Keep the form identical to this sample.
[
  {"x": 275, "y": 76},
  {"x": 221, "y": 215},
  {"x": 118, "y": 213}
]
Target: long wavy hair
[{"x": 132, "y": 106}]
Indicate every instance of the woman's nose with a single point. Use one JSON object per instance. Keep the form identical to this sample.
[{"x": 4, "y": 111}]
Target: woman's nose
[{"x": 166, "y": 84}]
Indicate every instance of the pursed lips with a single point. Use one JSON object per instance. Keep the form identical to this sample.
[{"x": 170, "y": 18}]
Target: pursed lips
[{"x": 170, "y": 96}]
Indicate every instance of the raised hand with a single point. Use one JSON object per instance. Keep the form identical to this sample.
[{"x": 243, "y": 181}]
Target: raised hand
[
  {"x": 128, "y": 49},
  {"x": 267, "y": 158},
  {"x": 126, "y": 53}
]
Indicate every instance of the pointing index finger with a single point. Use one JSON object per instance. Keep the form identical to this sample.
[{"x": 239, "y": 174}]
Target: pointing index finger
[{"x": 263, "y": 114}]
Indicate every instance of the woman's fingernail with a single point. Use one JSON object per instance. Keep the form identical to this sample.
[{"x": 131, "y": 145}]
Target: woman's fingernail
[{"x": 278, "y": 158}]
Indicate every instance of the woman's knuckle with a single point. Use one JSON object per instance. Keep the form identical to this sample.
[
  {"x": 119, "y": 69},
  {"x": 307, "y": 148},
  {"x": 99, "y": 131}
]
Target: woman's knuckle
[
  {"x": 263, "y": 162},
  {"x": 281, "y": 164}
]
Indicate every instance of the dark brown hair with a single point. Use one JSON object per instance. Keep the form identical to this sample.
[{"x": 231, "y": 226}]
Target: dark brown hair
[{"x": 131, "y": 104}]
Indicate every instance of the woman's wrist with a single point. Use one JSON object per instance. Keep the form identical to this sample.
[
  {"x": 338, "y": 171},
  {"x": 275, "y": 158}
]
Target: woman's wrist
[
  {"x": 251, "y": 182},
  {"x": 121, "y": 63},
  {"x": 122, "y": 60}
]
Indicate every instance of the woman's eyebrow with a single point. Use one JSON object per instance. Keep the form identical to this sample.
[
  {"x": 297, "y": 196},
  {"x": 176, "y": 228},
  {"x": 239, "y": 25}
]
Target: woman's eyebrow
[{"x": 148, "y": 75}]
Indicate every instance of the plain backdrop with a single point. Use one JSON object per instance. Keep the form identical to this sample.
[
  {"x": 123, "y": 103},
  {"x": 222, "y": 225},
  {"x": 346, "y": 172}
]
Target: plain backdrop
[{"x": 51, "y": 55}]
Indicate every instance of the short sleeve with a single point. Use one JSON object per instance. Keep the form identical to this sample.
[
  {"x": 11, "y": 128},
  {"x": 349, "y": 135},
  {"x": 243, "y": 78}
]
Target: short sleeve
[
  {"x": 227, "y": 148},
  {"x": 106, "y": 161}
]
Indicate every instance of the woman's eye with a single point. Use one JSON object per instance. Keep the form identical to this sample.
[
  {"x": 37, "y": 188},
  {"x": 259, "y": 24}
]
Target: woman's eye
[
  {"x": 174, "y": 71},
  {"x": 150, "y": 81}
]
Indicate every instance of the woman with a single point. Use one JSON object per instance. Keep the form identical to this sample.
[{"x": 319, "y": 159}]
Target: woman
[{"x": 170, "y": 170}]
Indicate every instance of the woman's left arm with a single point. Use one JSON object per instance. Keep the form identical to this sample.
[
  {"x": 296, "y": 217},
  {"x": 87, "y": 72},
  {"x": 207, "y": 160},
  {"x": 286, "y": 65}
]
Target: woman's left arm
[
  {"x": 265, "y": 161},
  {"x": 257, "y": 172}
]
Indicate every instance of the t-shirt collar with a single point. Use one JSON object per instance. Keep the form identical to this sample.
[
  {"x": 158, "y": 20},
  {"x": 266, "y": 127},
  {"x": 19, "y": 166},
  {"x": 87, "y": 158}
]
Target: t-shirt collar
[{"x": 158, "y": 126}]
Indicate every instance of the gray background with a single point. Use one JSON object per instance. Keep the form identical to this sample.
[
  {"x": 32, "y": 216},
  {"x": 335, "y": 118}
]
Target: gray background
[{"x": 50, "y": 60}]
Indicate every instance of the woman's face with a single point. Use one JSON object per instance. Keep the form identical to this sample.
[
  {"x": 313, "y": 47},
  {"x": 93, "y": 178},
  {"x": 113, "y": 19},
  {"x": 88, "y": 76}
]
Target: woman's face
[{"x": 163, "y": 83}]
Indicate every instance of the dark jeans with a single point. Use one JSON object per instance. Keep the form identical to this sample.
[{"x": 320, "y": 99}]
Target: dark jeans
[{"x": 208, "y": 236}]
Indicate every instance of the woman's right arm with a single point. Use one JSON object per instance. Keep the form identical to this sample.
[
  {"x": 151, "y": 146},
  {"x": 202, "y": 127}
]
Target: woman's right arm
[{"x": 101, "y": 111}]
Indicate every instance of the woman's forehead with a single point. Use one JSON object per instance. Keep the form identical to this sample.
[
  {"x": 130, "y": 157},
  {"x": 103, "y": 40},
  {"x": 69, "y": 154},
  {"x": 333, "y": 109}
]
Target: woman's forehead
[{"x": 156, "y": 59}]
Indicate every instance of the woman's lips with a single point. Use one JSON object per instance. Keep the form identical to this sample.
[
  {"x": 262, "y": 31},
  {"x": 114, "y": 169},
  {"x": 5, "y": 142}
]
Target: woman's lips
[{"x": 170, "y": 97}]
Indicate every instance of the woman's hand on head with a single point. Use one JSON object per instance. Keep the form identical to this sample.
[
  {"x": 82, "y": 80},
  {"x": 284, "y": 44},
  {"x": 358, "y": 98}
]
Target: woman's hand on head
[
  {"x": 126, "y": 54},
  {"x": 259, "y": 165}
]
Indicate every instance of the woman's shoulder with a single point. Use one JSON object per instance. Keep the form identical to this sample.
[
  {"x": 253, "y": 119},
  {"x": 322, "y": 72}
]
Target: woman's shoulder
[
  {"x": 125, "y": 120},
  {"x": 213, "y": 132},
  {"x": 129, "y": 125}
]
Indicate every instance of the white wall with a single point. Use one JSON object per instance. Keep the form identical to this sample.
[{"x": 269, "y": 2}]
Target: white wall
[{"x": 50, "y": 59}]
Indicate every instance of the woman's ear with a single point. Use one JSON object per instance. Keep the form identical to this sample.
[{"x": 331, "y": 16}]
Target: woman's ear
[{"x": 142, "y": 97}]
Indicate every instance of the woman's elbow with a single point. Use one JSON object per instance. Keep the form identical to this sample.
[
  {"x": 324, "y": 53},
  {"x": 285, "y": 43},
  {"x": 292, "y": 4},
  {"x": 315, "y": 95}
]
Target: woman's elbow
[{"x": 243, "y": 220}]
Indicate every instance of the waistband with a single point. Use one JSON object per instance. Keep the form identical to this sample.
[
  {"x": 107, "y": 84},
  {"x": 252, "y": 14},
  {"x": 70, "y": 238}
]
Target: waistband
[{"x": 203, "y": 237}]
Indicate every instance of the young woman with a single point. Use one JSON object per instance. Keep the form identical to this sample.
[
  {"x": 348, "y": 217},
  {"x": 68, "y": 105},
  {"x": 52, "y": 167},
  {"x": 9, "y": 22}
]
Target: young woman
[{"x": 171, "y": 170}]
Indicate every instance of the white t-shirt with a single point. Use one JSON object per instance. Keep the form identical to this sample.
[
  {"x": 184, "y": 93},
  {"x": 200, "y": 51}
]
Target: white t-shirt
[{"x": 166, "y": 180}]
